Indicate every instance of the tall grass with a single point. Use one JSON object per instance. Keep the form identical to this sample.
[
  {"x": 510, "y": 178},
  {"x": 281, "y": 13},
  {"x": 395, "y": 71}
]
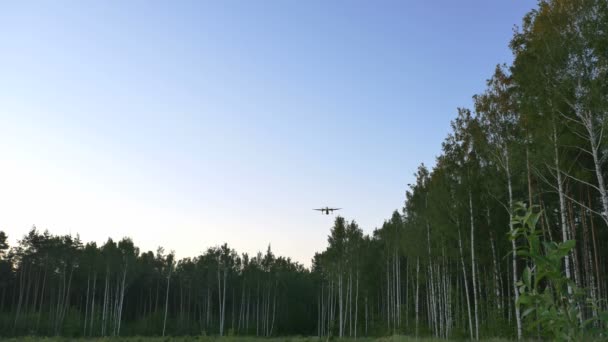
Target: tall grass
[{"x": 234, "y": 339}]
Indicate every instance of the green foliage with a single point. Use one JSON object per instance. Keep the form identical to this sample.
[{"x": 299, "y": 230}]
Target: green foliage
[
  {"x": 395, "y": 338},
  {"x": 3, "y": 244},
  {"x": 548, "y": 298}
]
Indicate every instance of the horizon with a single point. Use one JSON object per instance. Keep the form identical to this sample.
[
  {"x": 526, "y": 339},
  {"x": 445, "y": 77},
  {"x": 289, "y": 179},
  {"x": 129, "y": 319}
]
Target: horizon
[{"x": 193, "y": 124}]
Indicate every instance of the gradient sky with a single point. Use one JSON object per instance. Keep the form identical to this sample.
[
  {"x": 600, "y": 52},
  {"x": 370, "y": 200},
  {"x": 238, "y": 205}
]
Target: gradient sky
[{"x": 189, "y": 124}]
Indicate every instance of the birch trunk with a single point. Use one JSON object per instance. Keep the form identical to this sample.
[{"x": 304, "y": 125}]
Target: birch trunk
[
  {"x": 473, "y": 272},
  {"x": 86, "y": 311},
  {"x": 356, "y": 303},
  {"x": 562, "y": 203},
  {"x": 466, "y": 286},
  {"x": 167, "y": 299},
  {"x": 417, "y": 308},
  {"x": 513, "y": 245},
  {"x": 595, "y": 142}
]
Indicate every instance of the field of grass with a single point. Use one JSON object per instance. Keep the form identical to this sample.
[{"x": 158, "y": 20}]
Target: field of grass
[{"x": 235, "y": 339}]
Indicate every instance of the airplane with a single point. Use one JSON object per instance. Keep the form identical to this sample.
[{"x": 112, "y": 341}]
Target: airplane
[{"x": 326, "y": 210}]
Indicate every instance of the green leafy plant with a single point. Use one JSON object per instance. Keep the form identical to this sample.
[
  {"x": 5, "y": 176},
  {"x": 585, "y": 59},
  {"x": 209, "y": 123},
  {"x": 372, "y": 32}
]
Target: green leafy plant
[{"x": 548, "y": 299}]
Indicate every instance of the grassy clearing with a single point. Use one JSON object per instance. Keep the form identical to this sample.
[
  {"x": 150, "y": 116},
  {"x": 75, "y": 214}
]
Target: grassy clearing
[{"x": 236, "y": 339}]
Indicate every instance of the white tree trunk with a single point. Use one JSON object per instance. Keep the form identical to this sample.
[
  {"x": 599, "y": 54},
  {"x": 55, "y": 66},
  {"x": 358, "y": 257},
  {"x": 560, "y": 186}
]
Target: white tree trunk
[
  {"x": 167, "y": 299},
  {"x": 93, "y": 305},
  {"x": 86, "y": 310},
  {"x": 466, "y": 286},
  {"x": 356, "y": 303},
  {"x": 473, "y": 272},
  {"x": 513, "y": 246},
  {"x": 122, "y": 297},
  {"x": 595, "y": 142},
  {"x": 340, "y": 307},
  {"x": 562, "y": 203},
  {"x": 417, "y": 308}
]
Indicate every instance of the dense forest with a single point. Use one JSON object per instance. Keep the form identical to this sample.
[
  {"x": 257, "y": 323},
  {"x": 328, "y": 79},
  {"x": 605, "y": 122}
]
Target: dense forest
[{"x": 456, "y": 261}]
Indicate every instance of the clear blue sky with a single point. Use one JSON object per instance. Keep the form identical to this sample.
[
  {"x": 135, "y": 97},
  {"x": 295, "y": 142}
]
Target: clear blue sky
[{"x": 189, "y": 124}]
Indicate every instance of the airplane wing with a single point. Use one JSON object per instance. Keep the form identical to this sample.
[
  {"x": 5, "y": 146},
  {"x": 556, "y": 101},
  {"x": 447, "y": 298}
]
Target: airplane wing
[
  {"x": 319, "y": 209},
  {"x": 335, "y": 208}
]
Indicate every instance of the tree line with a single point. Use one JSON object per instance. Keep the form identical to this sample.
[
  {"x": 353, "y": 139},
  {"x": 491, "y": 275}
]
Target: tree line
[
  {"x": 56, "y": 285},
  {"x": 453, "y": 262}
]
